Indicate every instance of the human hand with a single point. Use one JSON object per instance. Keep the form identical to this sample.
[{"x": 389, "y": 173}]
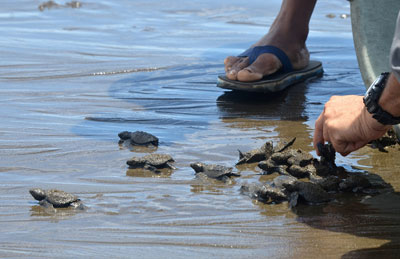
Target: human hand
[{"x": 346, "y": 123}]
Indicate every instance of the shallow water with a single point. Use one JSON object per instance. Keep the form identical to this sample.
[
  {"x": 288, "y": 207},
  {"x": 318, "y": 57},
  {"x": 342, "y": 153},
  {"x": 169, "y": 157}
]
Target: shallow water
[{"x": 72, "y": 78}]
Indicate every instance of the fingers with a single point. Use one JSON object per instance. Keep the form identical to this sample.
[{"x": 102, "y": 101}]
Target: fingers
[
  {"x": 318, "y": 133},
  {"x": 344, "y": 124},
  {"x": 346, "y": 148}
]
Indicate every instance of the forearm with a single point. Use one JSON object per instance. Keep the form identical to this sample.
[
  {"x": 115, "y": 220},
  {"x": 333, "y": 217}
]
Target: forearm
[{"x": 390, "y": 98}]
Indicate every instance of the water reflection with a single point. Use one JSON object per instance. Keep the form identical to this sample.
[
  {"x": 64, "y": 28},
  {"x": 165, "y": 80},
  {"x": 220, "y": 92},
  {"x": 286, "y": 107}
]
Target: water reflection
[
  {"x": 179, "y": 97},
  {"x": 165, "y": 172},
  {"x": 283, "y": 112},
  {"x": 286, "y": 105},
  {"x": 136, "y": 148},
  {"x": 55, "y": 214},
  {"x": 203, "y": 183}
]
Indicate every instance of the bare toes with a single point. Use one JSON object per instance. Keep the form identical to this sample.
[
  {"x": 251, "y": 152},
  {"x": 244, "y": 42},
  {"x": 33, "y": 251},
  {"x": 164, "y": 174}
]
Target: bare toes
[
  {"x": 265, "y": 64},
  {"x": 247, "y": 75},
  {"x": 229, "y": 61},
  {"x": 232, "y": 71}
]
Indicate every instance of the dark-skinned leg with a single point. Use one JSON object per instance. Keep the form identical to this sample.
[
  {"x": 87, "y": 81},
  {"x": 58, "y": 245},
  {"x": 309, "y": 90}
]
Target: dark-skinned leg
[{"x": 288, "y": 32}]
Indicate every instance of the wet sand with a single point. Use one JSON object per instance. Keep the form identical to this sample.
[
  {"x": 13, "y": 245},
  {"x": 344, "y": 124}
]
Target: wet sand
[{"x": 73, "y": 78}]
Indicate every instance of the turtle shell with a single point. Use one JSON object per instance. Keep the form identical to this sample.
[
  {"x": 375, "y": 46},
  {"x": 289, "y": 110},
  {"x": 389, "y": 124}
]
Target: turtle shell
[
  {"x": 156, "y": 160},
  {"x": 284, "y": 180},
  {"x": 60, "y": 198},
  {"x": 143, "y": 138},
  {"x": 211, "y": 170},
  {"x": 139, "y": 138}
]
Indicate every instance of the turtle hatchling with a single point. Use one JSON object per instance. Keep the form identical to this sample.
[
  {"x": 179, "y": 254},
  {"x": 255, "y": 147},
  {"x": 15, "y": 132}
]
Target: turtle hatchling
[
  {"x": 151, "y": 162},
  {"x": 140, "y": 138},
  {"x": 56, "y": 198},
  {"x": 218, "y": 172}
]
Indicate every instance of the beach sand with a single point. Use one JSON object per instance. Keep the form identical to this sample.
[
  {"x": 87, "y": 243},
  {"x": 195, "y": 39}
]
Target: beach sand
[{"x": 71, "y": 79}]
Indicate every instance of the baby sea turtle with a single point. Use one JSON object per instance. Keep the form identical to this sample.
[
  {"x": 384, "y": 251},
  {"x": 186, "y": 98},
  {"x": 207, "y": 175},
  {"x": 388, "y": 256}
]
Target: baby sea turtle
[
  {"x": 264, "y": 152},
  {"x": 51, "y": 4},
  {"x": 310, "y": 192},
  {"x": 284, "y": 180},
  {"x": 56, "y": 198},
  {"x": 139, "y": 138},
  {"x": 328, "y": 154},
  {"x": 218, "y": 172},
  {"x": 152, "y": 162},
  {"x": 256, "y": 155},
  {"x": 355, "y": 183},
  {"x": 289, "y": 162},
  {"x": 300, "y": 158},
  {"x": 287, "y": 188},
  {"x": 283, "y": 145},
  {"x": 388, "y": 140},
  {"x": 299, "y": 172},
  {"x": 275, "y": 192},
  {"x": 266, "y": 193},
  {"x": 270, "y": 167},
  {"x": 329, "y": 183},
  {"x": 272, "y": 194}
]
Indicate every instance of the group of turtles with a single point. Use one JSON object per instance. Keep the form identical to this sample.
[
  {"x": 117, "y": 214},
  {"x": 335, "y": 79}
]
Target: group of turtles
[{"x": 299, "y": 176}]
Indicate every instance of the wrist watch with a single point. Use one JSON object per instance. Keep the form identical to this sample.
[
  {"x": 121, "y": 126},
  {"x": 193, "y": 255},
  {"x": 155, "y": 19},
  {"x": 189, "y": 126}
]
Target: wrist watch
[{"x": 371, "y": 99}]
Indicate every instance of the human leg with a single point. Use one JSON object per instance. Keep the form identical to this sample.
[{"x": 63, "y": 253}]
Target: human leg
[{"x": 288, "y": 32}]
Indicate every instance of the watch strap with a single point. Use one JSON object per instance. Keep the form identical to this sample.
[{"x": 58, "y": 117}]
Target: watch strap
[
  {"x": 371, "y": 99},
  {"x": 384, "y": 117}
]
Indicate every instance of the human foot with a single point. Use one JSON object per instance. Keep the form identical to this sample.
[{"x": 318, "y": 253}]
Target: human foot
[
  {"x": 239, "y": 68},
  {"x": 288, "y": 32}
]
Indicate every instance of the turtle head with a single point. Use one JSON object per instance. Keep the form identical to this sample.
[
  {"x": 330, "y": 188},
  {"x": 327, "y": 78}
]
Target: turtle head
[
  {"x": 38, "y": 194},
  {"x": 197, "y": 167}
]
